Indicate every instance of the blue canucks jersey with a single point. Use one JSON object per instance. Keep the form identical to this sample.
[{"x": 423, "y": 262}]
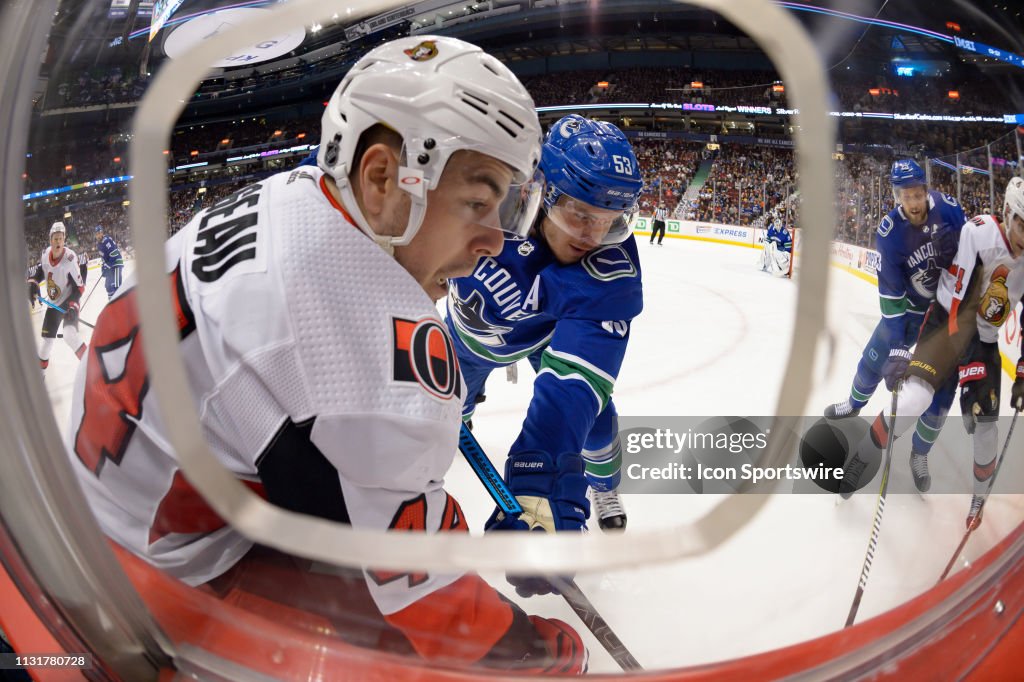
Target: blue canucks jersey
[
  {"x": 910, "y": 267},
  {"x": 781, "y": 236},
  {"x": 572, "y": 321},
  {"x": 109, "y": 252}
]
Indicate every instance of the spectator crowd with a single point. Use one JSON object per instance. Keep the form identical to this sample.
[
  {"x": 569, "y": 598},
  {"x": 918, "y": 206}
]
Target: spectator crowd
[{"x": 729, "y": 183}]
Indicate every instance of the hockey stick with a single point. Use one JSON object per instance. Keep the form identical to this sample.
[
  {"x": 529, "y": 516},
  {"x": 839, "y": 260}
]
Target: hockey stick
[
  {"x": 485, "y": 471},
  {"x": 596, "y": 624},
  {"x": 876, "y": 524},
  {"x": 571, "y": 592},
  {"x": 63, "y": 311},
  {"x": 967, "y": 535},
  {"x": 84, "y": 300}
]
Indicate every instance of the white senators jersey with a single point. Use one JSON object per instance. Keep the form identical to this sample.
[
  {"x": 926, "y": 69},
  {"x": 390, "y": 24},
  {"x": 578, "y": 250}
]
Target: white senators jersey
[
  {"x": 321, "y": 372},
  {"x": 983, "y": 275},
  {"x": 58, "y": 277}
]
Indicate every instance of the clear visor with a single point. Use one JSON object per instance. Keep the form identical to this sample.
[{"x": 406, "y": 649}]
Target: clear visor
[
  {"x": 518, "y": 210},
  {"x": 511, "y": 209},
  {"x": 591, "y": 225},
  {"x": 478, "y": 187}
]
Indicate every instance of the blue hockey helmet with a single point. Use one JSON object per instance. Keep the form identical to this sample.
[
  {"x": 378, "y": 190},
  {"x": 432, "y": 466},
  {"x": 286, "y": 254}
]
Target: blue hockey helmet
[
  {"x": 593, "y": 165},
  {"x": 906, "y": 173}
]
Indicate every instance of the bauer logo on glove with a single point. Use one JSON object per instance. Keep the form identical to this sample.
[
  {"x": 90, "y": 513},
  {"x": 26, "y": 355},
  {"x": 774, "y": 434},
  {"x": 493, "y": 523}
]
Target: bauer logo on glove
[{"x": 972, "y": 372}]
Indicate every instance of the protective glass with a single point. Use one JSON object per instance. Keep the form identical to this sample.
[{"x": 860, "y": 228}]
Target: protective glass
[{"x": 590, "y": 224}]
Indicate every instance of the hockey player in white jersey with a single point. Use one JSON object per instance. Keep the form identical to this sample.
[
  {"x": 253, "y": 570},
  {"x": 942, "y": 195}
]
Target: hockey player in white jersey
[
  {"x": 58, "y": 268},
  {"x": 975, "y": 296},
  {"x": 324, "y": 378}
]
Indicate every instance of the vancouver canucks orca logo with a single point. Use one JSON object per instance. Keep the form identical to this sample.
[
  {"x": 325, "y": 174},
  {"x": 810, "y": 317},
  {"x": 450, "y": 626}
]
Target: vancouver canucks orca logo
[
  {"x": 925, "y": 280},
  {"x": 570, "y": 128},
  {"x": 469, "y": 318}
]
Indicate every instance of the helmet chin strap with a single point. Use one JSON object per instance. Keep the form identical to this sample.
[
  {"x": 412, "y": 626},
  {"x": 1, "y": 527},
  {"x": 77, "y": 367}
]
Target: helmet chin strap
[{"x": 387, "y": 244}]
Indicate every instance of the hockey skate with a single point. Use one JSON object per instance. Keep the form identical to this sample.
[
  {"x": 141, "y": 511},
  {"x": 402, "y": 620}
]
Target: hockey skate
[
  {"x": 841, "y": 410},
  {"x": 852, "y": 472},
  {"x": 608, "y": 509},
  {"x": 919, "y": 467},
  {"x": 974, "y": 516}
]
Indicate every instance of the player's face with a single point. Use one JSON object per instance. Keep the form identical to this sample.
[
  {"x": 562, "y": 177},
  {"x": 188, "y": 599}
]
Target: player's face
[
  {"x": 573, "y": 228},
  {"x": 57, "y": 241},
  {"x": 914, "y": 201},
  {"x": 1015, "y": 235},
  {"x": 460, "y": 225}
]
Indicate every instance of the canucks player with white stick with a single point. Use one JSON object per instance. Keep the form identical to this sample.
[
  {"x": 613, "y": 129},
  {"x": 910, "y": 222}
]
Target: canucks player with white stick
[
  {"x": 976, "y": 295},
  {"x": 564, "y": 299},
  {"x": 916, "y": 241}
]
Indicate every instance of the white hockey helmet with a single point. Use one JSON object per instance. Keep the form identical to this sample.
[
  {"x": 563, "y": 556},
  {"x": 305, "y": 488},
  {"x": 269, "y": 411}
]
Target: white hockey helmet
[
  {"x": 58, "y": 227},
  {"x": 1013, "y": 201},
  {"x": 441, "y": 95}
]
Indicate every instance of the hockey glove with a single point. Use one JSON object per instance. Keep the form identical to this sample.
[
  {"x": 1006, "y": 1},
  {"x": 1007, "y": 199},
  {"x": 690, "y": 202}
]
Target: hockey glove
[
  {"x": 979, "y": 394},
  {"x": 552, "y": 492},
  {"x": 33, "y": 292},
  {"x": 1017, "y": 392},
  {"x": 895, "y": 367},
  {"x": 553, "y": 495},
  {"x": 71, "y": 316},
  {"x": 568, "y": 655},
  {"x": 946, "y": 241}
]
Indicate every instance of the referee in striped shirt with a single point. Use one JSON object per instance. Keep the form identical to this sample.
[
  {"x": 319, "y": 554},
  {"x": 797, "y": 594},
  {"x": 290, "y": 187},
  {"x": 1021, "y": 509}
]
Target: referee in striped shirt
[{"x": 660, "y": 216}]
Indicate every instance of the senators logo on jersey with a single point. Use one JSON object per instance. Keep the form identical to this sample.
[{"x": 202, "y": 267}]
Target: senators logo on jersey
[
  {"x": 52, "y": 289},
  {"x": 423, "y": 353},
  {"x": 995, "y": 302}
]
